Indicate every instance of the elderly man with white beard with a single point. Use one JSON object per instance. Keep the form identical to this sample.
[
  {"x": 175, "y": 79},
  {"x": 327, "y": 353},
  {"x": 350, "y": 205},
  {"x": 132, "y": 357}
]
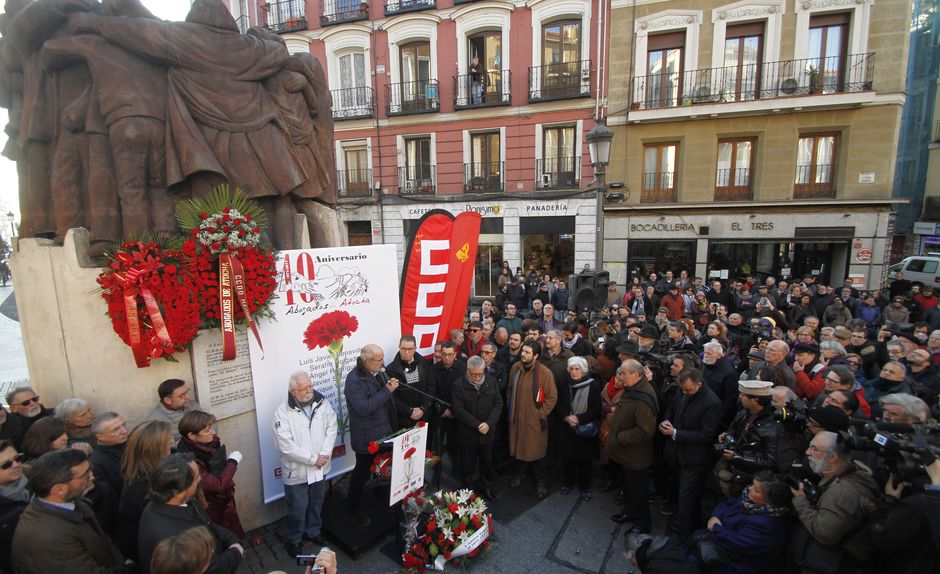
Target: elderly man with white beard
[{"x": 25, "y": 408}]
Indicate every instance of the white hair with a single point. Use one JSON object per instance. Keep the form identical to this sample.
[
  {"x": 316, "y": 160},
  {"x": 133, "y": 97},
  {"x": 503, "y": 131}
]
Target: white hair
[
  {"x": 67, "y": 409},
  {"x": 580, "y": 362},
  {"x": 296, "y": 378},
  {"x": 715, "y": 346}
]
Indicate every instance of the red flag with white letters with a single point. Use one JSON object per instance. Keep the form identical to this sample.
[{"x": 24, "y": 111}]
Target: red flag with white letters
[{"x": 436, "y": 277}]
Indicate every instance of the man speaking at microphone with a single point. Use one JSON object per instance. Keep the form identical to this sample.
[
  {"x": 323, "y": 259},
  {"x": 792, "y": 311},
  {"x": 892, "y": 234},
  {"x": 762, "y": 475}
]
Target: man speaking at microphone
[{"x": 373, "y": 413}]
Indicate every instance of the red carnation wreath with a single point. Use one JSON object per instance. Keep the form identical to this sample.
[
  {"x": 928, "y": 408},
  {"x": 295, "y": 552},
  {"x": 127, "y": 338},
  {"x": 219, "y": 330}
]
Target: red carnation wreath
[{"x": 149, "y": 293}]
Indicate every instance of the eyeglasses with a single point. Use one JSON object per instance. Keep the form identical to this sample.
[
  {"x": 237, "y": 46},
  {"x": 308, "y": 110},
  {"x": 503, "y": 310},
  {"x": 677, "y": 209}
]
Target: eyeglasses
[
  {"x": 18, "y": 459},
  {"x": 485, "y": 352},
  {"x": 834, "y": 380},
  {"x": 82, "y": 475},
  {"x": 407, "y": 348},
  {"x": 814, "y": 448},
  {"x": 181, "y": 395},
  {"x": 474, "y": 330},
  {"x": 25, "y": 403}
]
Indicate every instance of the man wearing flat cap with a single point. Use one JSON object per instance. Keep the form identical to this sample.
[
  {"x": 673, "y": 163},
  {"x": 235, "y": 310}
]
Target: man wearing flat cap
[
  {"x": 756, "y": 436},
  {"x": 810, "y": 379}
]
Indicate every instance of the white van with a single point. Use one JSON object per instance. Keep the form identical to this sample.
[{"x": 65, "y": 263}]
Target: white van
[{"x": 921, "y": 268}]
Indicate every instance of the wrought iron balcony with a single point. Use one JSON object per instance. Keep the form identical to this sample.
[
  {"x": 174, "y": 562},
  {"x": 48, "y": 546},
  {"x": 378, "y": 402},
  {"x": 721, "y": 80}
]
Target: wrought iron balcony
[
  {"x": 485, "y": 177},
  {"x": 419, "y": 97},
  {"x": 815, "y": 181},
  {"x": 339, "y": 11},
  {"x": 354, "y": 182},
  {"x": 242, "y": 23},
  {"x": 402, "y": 6},
  {"x": 560, "y": 81},
  {"x": 558, "y": 172},
  {"x": 488, "y": 89},
  {"x": 769, "y": 80},
  {"x": 733, "y": 185},
  {"x": 284, "y": 16},
  {"x": 417, "y": 179},
  {"x": 658, "y": 187},
  {"x": 352, "y": 103}
]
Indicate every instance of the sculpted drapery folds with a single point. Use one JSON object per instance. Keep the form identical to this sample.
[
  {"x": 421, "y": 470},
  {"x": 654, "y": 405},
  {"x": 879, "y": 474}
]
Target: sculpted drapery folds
[{"x": 116, "y": 115}]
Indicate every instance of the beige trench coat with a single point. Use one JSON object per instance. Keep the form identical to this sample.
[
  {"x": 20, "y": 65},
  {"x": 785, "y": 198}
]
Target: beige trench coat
[{"x": 528, "y": 435}]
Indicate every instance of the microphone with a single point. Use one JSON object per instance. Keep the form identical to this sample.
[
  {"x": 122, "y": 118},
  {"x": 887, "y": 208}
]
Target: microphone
[{"x": 382, "y": 376}]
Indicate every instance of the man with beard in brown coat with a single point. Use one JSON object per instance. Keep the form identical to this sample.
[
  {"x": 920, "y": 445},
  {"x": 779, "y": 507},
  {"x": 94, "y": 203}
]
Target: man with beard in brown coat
[
  {"x": 531, "y": 396},
  {"x": 631, "y": 442}
]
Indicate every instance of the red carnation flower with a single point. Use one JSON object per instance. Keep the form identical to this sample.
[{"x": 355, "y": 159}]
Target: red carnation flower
[
  {"x": 410, "y": 452},
  {"x": 328, "y": 328},
  {"x": 237, "y": 221},
  {"x": 247, "y": 217},
  {"x": 226, "y": 228},
  {"x": 373, "y": 447},
  {"x": 421, "y": 424},
  {"x": 216, "y": 245},
  {"x": 447, "y": 555},
  {"x": 203, "y": 215},
  {"x": 227, "y": 210},
  {"x": 242, "y": 233},
  {"x": 454, "y": 508},
  {"x": 255, "y": 229}
]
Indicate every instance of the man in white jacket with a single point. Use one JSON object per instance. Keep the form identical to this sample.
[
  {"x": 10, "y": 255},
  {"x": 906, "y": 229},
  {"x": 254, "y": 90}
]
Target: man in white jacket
[{"x": 305, "y": 432}]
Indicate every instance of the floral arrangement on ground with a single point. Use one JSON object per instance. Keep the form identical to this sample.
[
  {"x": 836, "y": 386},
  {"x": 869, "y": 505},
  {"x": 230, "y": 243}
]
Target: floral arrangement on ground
[
  {"x": 150, "y": 296},
  {"x": 447, "y": 526}
]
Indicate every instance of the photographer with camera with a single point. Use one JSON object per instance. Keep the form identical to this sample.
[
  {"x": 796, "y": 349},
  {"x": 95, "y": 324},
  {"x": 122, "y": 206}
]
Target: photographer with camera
[
  {"x": 830, "y": 520},
  {"x": 908, "y": 535},
  {"x": 751, "y": 442}
]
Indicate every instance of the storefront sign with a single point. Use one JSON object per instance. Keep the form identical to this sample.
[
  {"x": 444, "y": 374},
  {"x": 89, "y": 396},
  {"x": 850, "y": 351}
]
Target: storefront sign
[
  {"x": 863, "y": 256},
  {"x": 486, "y": 210},
  {"x": 547, "y": 208},
  {"x": 926, "y": 228},
  {"x": 866, "y": 177},
  {"x": 665, "y": 227},
  {"x": 752, "y": 226}
]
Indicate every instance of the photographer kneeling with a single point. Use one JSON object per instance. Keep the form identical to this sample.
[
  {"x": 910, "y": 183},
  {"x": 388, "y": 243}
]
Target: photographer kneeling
[
  {"x": 908, "y": 538},
  {"x": 830, "y": 518},
  {"x": 751, "y": 443}
]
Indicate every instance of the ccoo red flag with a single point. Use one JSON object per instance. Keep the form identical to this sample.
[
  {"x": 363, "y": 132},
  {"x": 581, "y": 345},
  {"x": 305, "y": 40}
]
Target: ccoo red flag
[{"x": 436, "y": 278}]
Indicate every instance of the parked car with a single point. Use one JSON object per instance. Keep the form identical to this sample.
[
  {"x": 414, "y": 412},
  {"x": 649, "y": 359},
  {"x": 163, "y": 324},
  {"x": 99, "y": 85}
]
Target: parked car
[{"x": 921, "y": 268}]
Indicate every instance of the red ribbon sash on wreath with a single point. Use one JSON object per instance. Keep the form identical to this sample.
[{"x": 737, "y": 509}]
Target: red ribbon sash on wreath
[
  {"x": 232, "y": 288},
  {"x": 131, "y": 281}
]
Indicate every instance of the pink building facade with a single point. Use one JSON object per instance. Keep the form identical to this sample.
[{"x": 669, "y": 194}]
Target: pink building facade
[{"x": 460, "y": 105}]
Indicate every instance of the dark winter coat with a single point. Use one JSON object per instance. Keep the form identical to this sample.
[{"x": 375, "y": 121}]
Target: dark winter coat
[
  {"x": 471, "y": 407},
  {"x": 218, "y": 481},
  {"x": 633, "y": 427},
  {"x": 106, "y": 464},
  {"x": 754, "y": 539},
  {"x": 756, "y": 442},
  {"x": 722, "y": 379},
  {"x": 373, "y": 409},
  {"x": 134, "y": 499},
  {"x": 161, "y": 521},
  {"x": 10, "y": 511},
  {"x": 52, "y": 539},
  {"x": 444, "y": 379},
  {"x": 397, "y": 369},
  {"x": 697, "y": 420},
  {"x": 574, "y": 447},
  {"x": 909, "y": 537}
]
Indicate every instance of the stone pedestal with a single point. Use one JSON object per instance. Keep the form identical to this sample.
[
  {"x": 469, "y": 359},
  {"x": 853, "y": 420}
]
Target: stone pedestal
[{"x": 72, "y": 351}]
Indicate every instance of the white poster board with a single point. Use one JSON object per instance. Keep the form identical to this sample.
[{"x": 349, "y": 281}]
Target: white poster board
[
  {"x": 312, "y": 283},
  {"x": 408, "y": 452}
]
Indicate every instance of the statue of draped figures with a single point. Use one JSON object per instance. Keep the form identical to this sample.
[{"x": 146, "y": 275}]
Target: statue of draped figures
[{"x": 115, "y": 115}]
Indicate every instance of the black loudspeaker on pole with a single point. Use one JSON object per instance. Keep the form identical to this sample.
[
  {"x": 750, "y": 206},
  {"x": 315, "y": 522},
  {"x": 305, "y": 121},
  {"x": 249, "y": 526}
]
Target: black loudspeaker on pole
[{"x": 588, "y": 291}]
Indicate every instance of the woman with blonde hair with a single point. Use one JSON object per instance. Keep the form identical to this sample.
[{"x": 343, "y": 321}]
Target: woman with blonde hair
[{"x": 148, "y": 444}]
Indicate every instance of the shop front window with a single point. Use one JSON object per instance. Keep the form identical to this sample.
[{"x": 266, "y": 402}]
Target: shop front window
[
  {"x": 548, "y": 244},
  {"x": 646, "y": 256},
  {"x": 486, "y": 274}
]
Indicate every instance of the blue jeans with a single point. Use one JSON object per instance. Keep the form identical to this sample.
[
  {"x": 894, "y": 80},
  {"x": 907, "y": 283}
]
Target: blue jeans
[{"x": 304, "y": 503}]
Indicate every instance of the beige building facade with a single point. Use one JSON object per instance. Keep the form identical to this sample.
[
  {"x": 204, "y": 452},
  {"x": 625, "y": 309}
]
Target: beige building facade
[{"x": 754, "y": 137}]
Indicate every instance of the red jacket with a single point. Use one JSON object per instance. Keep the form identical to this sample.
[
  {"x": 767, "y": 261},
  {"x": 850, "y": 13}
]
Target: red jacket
[
  {"x": 675, "y": 304},
  {"x": 809, "y": 385}
]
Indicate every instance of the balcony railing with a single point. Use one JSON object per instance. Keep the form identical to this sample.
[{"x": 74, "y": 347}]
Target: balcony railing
[
  {"x": 486, "y": 177},
  {"x": 558, "y": 172},
  {"x": 417, "y": 179},
  {"x": 487, "y": 89},
  {"x": 733, "y": 185},
  {"x": 402, "y": 6},
  {"x": 242, "y": 23},
  {"x": 339, "y": 11},
  {"x": 412, "y": 97},
  {"x": 285, "y": 16},
  {"x": 658, "y": 187},
  {"x": 560, "y": 81},
  {"x": 815, "y": 181},
  {"x": 352, "y": 103},
  {"x": 769, "y": 80},
  {"x": 354, "y": 182}
]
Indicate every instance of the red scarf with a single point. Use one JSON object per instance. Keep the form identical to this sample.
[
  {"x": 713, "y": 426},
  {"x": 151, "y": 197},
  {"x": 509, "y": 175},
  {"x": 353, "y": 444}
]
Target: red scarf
[{"x": 611, "y": 389}]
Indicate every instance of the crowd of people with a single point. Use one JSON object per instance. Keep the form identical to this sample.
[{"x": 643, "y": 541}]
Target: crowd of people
[
  {"x": 80, "y": 493},
  {"x": 777, "y": 427}
]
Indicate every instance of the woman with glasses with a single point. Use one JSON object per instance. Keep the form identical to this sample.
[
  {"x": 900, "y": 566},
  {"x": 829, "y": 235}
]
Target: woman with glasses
[{"x": 14, "y": 497}]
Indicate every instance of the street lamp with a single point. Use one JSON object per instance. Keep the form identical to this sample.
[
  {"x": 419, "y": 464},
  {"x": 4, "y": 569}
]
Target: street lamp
[
  {"x": 599, "y": 138},
  {"x": 10, "y": 218}
]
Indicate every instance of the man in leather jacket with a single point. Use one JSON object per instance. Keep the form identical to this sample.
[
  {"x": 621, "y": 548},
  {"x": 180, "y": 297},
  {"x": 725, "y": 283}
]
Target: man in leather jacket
[
  {"x": 755, "y": 433},
  {"x": 415, "y": 374}
]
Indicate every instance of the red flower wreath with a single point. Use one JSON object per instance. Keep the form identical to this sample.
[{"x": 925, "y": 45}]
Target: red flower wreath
[
  {"x": 148, "y": 267},
  {"x": 260, "y": 272}
]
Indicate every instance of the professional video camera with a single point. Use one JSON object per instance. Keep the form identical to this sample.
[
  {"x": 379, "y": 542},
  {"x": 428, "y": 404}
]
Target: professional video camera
[
  {"x": 657, "y": 361},
  {"x": 762, "y": 332},
  {"x": 903, "y": 448},
  {"x": 810, "y": 490}
]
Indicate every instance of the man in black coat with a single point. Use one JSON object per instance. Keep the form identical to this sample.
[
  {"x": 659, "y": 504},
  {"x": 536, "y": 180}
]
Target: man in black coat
[
  {"x": 693, "y": 427},
  {"x": 477, "y": 406},
  {"x": 174, "y": 508},
  {"x": 449, "y": 369},
  {"x": 721, "y": 378},
  {"x": 414, "y": 372}
]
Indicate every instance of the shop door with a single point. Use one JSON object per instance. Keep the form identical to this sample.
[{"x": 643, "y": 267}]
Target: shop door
[
  {"x": 813, "y": 259},
  {"x": 486, "y": 273},
  {"x": 359, "y": 232},
  {"x": 660, "y": 256}
]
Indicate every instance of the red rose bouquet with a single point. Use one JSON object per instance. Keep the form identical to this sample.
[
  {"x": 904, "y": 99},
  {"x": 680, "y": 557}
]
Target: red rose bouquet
[
  {"x": 149, "y": 293},
  {"x": 448, "y": 526}
]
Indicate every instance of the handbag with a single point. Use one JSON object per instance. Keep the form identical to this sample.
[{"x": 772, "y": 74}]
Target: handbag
[{"x": 588, "y": 430}]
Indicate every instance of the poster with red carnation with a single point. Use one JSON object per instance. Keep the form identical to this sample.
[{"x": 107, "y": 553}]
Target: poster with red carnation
[{"x": 328, "y": 304}]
